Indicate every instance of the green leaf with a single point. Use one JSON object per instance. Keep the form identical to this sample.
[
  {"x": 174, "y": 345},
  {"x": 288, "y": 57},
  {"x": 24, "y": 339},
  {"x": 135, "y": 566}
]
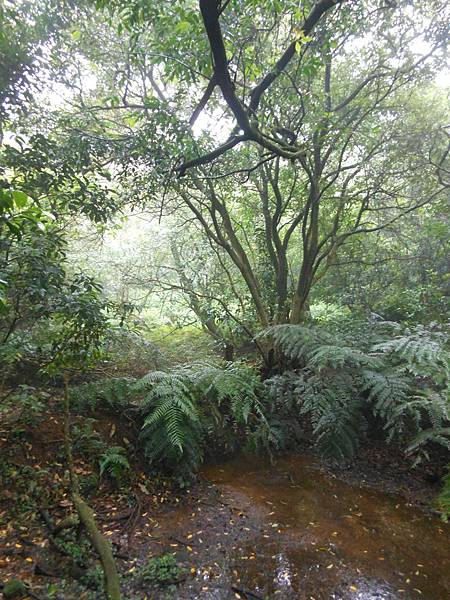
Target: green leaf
[
  {"x": 15, "y": 229},
  {"x": 183, "y": 26},
  {"x": 20, "y": 198},
  {"x": 6, "y": 200}
]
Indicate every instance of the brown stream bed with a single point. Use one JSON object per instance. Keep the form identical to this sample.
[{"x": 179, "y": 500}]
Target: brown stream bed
[
  {"x": 291, "y": 531},
  {"x": 252, "y": 530}
]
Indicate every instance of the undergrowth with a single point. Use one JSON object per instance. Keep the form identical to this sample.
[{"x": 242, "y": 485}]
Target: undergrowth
[
  {"x": 341, "y": 383},
  {"x": 185, "y": 409},
  {"x": 346, "y": 385}
]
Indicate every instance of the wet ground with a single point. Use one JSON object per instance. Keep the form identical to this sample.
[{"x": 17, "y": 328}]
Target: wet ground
[
  {"x": 299, "y": 533},
  {"x": 255, "y": 530}
]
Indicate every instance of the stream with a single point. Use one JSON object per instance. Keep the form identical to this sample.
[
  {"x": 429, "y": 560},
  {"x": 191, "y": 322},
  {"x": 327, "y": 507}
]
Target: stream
[{"x": 299, "y": 533}]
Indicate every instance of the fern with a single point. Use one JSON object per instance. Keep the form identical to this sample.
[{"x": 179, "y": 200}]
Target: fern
[
  {"x": 297, "y": 341},
  {"x": 171, "y": 430},
  {"x": 114, "y": 463},
  {"x": 335, "y": 410},
  {"x": 335, "y": 383},
  {"x": 443, "y": 499},
  {"x": 421, "y": 351},
  {"x": 185, "y": 406},
  {"x": 237, "y": 384},
  {"x": 338, "y": 357}
]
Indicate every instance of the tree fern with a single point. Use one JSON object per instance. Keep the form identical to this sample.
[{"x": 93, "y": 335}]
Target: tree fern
[
  {"x": 338, "y": 357},
  {"x": 185, "y": 405},
  {"x": 171, "y": 430},
  {"x": 297, "y": 341},
  {"x": 421, "y": 351},
  {"x": 237, "y": 384},
  {"x": 335, "y": 410},
  {"x": 335, "y": 382}
]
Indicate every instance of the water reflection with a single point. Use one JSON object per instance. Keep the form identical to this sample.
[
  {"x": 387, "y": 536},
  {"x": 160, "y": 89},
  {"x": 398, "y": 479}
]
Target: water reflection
[
  {"x": 322, "y": 539},
  {"x": 283, "y": 571}
]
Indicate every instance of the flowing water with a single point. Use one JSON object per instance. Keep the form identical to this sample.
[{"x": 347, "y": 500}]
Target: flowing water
[{"x": 320, "y": 538}]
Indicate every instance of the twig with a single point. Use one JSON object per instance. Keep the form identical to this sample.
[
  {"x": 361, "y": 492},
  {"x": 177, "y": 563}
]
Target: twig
[{"x": 246, "y": 593}]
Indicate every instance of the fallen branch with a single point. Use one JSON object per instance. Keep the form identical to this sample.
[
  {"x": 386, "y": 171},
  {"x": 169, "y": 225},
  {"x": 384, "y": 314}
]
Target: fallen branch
[
  {"x": 178, "y": 541},
  {"x": 134, "y": 518}
]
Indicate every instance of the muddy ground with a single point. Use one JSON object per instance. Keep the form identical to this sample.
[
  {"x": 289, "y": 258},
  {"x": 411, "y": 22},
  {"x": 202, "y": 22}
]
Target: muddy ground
[{"x": 299, "y": 528}]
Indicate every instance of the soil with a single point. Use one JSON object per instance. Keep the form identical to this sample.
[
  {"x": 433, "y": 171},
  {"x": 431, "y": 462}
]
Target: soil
[{"x": 247, "y": 528}]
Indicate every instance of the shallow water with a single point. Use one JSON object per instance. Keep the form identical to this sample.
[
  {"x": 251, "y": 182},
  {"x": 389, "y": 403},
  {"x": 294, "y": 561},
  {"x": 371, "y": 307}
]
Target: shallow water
[{"x": 320, "y": 538}]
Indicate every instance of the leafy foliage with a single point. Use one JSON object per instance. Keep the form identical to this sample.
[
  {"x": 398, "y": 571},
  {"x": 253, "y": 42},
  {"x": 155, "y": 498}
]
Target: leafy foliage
[
  {"x": 184, "y": 406},
  {"x": 114, "y": 463},
  {"x": 27, "y": 404},
  {"x": 400, "y": 383},
  {"x": 111, "y": 393},
  {"x": 86, "y": 440},
  {"x": 162, "y": 570}
]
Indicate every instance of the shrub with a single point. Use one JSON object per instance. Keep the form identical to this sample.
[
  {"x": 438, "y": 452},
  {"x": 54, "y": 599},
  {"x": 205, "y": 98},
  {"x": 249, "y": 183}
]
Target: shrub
[
  {"x": 86, "y": 440},
  {"x": 112, "y": 394},
  {"x": 186, "y": 405},
  {"x": 341, "y": 383}
]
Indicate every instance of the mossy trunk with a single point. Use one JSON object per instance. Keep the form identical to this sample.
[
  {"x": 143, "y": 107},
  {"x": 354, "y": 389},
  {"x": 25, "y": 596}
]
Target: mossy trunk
[
  {"x": 86, "y": 515},
  {"x": 101, "y": 546}
]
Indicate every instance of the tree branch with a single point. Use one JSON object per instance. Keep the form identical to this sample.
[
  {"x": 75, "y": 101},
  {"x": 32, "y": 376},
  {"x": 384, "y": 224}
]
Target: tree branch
[{"x": 317, "y": 12}]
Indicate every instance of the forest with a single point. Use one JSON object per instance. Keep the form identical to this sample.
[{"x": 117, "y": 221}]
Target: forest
[{"x": 224, "y": 299}]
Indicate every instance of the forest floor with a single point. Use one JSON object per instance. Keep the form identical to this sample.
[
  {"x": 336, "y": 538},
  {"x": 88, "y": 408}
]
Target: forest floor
[{"x": 222, "y": 529}]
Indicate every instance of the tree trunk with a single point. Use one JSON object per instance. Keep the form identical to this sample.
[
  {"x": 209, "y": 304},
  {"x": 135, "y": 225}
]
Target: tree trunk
[{"x": 86, "y": 515}]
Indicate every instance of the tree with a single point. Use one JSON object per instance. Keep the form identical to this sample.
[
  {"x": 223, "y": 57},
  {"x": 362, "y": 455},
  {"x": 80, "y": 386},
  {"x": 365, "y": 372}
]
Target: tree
[
  {"x": 242, "y": 46},
  {"x": 275, "y": 219}
]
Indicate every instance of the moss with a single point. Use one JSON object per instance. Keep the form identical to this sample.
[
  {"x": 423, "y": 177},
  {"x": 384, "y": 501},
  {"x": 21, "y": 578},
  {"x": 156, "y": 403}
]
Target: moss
[
  {"x": 14, "y": 589},
  {"x": 162, "y": 570}
]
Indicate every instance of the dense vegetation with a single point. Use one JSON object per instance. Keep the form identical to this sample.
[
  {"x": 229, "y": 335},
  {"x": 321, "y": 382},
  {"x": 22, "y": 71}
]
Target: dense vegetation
[{"x": 228, "y": 223}]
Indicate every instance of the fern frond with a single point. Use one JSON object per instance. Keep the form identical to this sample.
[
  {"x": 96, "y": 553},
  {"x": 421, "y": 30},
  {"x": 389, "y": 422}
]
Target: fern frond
[
  {"x": 338, "y": 357},
  {"x": 182, "y": 406},
  {"x": 439, "y": 435},
  {"x": 339, "y": 381},
  {"x": 297, "y": 341},
  {"x": 443, "y": 499},
  {"x": 114, "y": 462},
  {"x": 422, "y": 352}
]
